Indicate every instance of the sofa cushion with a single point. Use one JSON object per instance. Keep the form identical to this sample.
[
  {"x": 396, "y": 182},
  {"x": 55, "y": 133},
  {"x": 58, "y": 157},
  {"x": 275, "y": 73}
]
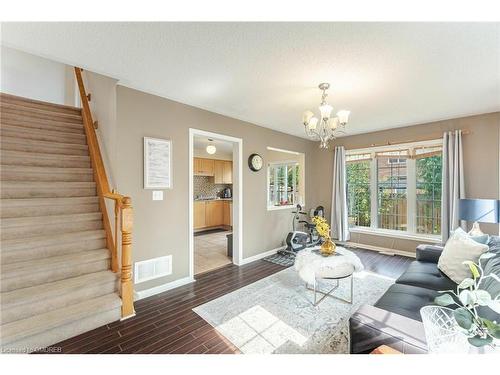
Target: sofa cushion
[
  {"x": 426, "y": 275},
  {"x": 406, "y": 300},
  {"x": 459, "y": 248}
]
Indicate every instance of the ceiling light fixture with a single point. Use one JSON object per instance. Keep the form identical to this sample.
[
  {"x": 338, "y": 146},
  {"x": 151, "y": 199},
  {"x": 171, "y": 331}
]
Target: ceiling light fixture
[
  {"x": 211, "y": 149},
  {"x": 326, "y": 127}
]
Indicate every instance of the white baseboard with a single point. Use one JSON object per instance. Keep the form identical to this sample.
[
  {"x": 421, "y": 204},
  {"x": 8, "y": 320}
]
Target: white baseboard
[
  {"x": 382, "y": 250},
  {"x": 162, "y": 288},
  {"x": 260, "y": 256}
]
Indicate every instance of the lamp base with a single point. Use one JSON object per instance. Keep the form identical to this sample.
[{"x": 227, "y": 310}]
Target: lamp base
[{"x": 476, "y": 230}]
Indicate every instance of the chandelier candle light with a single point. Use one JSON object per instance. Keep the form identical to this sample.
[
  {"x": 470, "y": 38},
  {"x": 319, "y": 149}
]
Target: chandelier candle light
[{"x": 326, "y": 127}]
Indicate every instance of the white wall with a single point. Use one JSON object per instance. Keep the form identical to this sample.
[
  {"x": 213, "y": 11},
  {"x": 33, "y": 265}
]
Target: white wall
[
  {"x": 34, "y": 77},
  {"x": 103, "y": 108}
]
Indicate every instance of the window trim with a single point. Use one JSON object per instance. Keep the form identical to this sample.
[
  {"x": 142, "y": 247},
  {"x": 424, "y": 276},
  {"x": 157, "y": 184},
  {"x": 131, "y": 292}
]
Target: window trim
[
  {"x": 282, "y": 163},
  {"x": 411, "y": 232}
]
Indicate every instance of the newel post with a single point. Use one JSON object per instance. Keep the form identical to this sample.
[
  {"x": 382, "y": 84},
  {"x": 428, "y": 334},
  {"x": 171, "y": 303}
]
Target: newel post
[{"x": 127, "y": 287}]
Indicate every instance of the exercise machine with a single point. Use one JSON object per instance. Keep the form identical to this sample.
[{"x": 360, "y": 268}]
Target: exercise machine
[{"x": 299, "y": 240}]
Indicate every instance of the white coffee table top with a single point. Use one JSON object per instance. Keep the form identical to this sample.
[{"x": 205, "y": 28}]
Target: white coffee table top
[{"x": 310, "y": 264}]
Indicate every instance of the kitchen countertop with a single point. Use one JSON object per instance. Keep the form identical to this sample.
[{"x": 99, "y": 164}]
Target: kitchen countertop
[{"x": 212, "y": 199}]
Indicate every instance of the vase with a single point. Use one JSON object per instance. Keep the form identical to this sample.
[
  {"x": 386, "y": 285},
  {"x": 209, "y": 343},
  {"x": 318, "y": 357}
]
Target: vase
[
  {"x": 442, "y": 331},
  {"x": 327, "y": 247}
]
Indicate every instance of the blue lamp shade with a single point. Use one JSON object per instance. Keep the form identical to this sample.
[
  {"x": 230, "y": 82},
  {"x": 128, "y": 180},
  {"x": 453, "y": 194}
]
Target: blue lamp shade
[{"x": 480, "y": 210}]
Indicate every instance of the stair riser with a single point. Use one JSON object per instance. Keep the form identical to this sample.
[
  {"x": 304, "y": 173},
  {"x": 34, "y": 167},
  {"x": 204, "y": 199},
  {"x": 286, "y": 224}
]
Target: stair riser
[
  {"x": 51, "y": 241},
  {"x": 65, "y": 298},
  {"x": 48, "y": 220},
  {"x": 43, "y": 125},
  {"x": 36, "y": 115},
  {"x": 67, "y": 331},
  {"x": 43, "y": 230},
  {"x": 63, "y": 177},
  {"x": 47, "y": 192},
  {"x": 10, "y": 212},
  {"x": 18, "y": 132},
  {"x": 22, "y": 104},
  {"x": 59, "y": 162},
  {"x": 50, "y": 251},
  {"x": 53, "y": 148},
  {"x": 37, "y": 278}
]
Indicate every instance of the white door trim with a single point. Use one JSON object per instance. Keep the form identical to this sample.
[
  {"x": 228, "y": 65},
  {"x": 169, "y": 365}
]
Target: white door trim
[{"x": 237, "y": 195}]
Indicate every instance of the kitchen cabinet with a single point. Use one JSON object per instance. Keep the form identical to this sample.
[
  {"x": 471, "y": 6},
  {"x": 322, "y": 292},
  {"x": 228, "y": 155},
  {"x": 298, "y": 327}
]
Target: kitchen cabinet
[
  {"x": 203, "y": 167},
  {"x": 199, "y": 214},
  {"x": 214, "y": 216},
  {"x": 228, "y": 172},
  {"x": 212, "y": 213},
  {"x": 223, "y": 172},
  {"x": 228, "y": 213}
]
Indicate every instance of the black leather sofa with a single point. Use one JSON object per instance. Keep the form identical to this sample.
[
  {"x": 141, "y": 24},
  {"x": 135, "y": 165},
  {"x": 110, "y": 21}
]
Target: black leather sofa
[{"x": 395, "y": 319}]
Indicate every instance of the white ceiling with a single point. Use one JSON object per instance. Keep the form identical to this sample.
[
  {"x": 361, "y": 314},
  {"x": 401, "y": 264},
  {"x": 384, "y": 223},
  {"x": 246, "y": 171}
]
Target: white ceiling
[
  {"x": 223, "y": 147},
  {"x": 387, "y": 74}
]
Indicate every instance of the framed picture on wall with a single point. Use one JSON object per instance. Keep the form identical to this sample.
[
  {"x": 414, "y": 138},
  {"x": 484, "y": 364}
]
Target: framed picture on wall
[{"x": 157, "y": 163}]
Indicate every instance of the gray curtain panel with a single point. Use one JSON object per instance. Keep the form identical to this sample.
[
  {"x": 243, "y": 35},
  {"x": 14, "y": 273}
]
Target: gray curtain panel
[
  {"x": 453, "y": 182},
  {"x": 340, "y": 227}
]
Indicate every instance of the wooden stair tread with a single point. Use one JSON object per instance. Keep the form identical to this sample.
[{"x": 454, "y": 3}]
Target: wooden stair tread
[
  {"x": 49, "y": 220},
  {"x": 41, "y": 265},
  {"x": 4, "y": 97},
  {"x": 24, "y": 111},
  {"x": 51, "y": 135},
  {"x": 19, "y": 244},
  {"x": 38, "y": 292},
  {"x": 31, "y": 326},
  {"x": 22, "y": 202}
]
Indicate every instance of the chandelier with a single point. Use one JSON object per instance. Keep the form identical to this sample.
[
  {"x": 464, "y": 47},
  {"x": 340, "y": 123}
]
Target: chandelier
[{"x": 326, "y": 127}]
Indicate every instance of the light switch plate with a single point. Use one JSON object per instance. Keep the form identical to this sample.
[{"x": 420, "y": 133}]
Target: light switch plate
[{"x": 157, "y": 195}]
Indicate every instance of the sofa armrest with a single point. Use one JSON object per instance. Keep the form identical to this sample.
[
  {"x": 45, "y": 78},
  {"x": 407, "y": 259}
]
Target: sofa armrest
[
  {"x": 429, "y": 253},
  {"x": 371, "y": 327}
]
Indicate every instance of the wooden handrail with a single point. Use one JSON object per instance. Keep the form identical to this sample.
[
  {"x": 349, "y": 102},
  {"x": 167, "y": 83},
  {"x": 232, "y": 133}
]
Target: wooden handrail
[{"x": 122, "y": 207}]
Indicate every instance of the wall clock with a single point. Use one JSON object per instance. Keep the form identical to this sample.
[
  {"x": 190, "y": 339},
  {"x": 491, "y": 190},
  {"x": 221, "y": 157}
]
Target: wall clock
[{"x": 255, "y": 162}]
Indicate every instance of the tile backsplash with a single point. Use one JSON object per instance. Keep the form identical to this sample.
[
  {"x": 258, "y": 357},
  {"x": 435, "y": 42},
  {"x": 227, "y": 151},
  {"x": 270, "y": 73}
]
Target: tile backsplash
[{"x": 204, "y": 187}]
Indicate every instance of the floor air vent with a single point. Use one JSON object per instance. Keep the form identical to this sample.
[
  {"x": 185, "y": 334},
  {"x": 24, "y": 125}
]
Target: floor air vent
[{"x": 152, "y": 268}]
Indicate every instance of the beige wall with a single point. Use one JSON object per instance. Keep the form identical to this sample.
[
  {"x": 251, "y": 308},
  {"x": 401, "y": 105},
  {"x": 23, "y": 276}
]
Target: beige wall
[
  {"x": 481, "y": 163},
  {"x": 161, "y": 227}
]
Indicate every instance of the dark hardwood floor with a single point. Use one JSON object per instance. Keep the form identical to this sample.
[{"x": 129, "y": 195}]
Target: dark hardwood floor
[{"x": 165, "y": 323}]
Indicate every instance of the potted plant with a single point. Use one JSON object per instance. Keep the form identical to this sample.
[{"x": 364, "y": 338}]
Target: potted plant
[{"x": 467, "y": 299}]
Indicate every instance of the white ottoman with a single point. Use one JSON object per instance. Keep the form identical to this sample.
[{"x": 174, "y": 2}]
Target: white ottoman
[{"x": 313, "y": 267}]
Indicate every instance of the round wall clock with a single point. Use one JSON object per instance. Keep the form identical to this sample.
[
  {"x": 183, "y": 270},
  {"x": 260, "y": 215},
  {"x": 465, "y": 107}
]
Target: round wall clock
[{"x": 255, "y": 162}]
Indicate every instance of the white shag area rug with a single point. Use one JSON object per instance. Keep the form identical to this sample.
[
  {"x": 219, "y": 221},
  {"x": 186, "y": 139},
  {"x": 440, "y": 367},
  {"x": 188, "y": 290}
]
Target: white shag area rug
[{"x": 275, "y": 314}]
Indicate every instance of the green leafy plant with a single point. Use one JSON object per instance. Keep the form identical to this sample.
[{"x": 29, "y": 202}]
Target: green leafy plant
[{"x": 468, "y": 297}]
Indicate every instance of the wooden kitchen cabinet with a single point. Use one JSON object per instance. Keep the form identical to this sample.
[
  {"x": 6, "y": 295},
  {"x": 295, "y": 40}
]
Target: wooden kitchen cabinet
[
  {"x": 228, "y": 172},
  {"x": 218, "y": 171},
  {"x": 228, "y": 213},
  {"x": 214, "y": 213},
  {"x": 199, "y": 214},
  {"x": 223, "y": 172},
  {"x": 203, "y": 167}
]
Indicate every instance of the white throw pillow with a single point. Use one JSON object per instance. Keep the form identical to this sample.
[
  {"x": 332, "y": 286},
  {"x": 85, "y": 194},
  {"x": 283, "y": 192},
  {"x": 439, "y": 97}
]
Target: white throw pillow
[{"x": 458, "y": 249}]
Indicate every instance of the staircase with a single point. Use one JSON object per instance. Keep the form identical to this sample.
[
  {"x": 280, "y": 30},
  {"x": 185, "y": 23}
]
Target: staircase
[{"x": 55, "y": 272}]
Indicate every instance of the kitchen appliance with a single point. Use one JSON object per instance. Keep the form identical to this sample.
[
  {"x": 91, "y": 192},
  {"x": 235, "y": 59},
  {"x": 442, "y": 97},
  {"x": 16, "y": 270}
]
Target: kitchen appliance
[{"x": 226, "y": 193}]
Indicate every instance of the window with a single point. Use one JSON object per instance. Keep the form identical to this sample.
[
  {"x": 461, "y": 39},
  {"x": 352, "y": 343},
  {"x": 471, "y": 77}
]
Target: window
[
  {"x": 428, "y": 194},
  {"x": 391, "y": 193},
  {"x": 358, "y": 192},
  {"x": 283, "y": 189},
  {"x": 396, "y": 188}
]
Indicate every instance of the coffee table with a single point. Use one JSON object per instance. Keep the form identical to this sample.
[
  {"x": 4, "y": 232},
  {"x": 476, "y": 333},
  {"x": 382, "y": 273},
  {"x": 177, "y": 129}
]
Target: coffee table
[{"x": 314, "y": 268}]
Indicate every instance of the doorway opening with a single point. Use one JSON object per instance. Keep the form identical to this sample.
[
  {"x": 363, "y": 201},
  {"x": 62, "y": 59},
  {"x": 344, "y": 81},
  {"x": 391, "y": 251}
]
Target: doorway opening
[{"x": 214, "y": 201}]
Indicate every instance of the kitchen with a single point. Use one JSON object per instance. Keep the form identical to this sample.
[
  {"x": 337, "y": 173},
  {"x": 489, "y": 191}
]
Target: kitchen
[{"x": 213, "y": 205}]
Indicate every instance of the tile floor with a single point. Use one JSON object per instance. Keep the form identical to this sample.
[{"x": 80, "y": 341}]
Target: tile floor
[{"x": 210, "y": 251}]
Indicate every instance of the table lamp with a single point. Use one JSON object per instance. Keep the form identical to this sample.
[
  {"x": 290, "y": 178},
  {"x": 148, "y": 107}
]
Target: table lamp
[{"x": 479, "y": 211}]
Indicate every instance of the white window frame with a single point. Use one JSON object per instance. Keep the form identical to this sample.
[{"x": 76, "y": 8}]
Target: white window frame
[
  {"x": 410, "y": 233},
  {"x": 276, "y": 165}
]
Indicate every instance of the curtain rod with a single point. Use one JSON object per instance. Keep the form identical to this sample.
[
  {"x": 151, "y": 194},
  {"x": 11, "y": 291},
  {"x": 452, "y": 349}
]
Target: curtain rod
[{"x": 392, "y": 143}]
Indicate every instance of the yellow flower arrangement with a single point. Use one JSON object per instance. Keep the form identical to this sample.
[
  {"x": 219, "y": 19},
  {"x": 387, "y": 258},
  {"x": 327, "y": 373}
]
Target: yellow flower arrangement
[{"x": 322, "y": 227}]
